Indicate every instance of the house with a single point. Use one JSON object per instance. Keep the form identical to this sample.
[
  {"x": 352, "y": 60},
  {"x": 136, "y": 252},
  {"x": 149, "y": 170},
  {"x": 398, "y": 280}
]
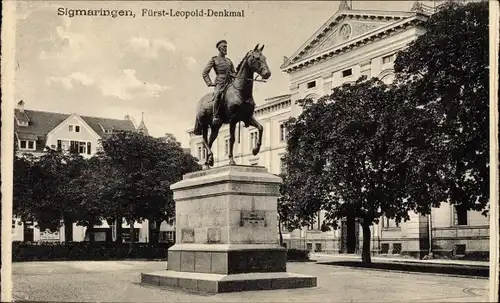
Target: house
[{"x": 36, "y": 130}]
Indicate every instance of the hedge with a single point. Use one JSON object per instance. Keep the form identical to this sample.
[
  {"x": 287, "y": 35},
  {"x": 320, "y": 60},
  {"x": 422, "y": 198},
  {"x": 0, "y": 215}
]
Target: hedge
[
  {"x": 297, "y": 254},
  {"x": 86, "y": 251},
  {"x": 99, "y": 251}
]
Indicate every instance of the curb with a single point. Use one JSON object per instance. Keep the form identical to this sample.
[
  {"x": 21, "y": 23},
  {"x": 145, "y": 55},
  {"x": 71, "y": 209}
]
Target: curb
[
  {"x": 407, "y": 272},
  {"x": 410, "y": 262}
]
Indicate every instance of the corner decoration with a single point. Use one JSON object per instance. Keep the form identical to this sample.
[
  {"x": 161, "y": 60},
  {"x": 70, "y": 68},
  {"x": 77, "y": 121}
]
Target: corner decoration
[{"x": 345, "y": 32}]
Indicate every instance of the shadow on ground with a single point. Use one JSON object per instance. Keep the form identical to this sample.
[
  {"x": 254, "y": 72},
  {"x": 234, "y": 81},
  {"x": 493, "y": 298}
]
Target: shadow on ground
[{"x": 466, "y": 271}]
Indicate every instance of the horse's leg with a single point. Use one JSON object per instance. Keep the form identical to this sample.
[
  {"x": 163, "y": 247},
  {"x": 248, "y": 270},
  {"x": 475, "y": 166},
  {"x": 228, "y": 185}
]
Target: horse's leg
[
  {"x": 257, "y": 125},
  {"x": 205, "y": 144},
  {"x": 214, "y": 131},
  {"x": 232, "y": 128}
]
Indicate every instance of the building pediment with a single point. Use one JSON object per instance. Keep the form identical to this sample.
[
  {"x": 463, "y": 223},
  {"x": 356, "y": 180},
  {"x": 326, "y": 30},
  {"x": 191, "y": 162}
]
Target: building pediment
[
  {"x": 350, "y": 27},
  {"x": 346, "y": 30}
]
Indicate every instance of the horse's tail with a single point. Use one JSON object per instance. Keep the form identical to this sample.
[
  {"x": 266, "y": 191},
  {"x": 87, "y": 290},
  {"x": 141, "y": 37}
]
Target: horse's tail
[
  {"x": 198, "y": 127},
  {"x": 203, "y": 111}
]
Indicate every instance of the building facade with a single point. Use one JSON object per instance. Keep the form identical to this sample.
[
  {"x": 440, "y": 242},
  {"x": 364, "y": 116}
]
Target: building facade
[
  {"x": 351, "y": 44},
  {"x": 36, "y": 130}
]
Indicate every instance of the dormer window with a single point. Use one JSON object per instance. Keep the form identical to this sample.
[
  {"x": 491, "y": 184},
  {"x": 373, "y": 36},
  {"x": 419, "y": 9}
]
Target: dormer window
[
  {"x": 311, "y": 84},
  {"x": 347, "y": 73}
]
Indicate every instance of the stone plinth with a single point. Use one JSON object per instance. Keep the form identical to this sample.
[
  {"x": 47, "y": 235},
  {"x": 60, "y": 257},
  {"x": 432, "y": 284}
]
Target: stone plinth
[{"x": 226, "y": 234}]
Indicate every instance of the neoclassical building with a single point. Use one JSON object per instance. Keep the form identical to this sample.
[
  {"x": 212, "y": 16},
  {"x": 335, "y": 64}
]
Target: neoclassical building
[{"x": 350, "y": 44}]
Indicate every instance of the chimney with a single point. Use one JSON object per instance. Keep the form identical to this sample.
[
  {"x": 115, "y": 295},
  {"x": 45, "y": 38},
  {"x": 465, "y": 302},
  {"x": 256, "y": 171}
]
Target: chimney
[{"x": 20, "y": 106}]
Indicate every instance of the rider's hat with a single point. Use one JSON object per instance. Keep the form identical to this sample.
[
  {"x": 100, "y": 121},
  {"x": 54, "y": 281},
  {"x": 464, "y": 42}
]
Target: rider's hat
[{"x": 218, "y": 43}]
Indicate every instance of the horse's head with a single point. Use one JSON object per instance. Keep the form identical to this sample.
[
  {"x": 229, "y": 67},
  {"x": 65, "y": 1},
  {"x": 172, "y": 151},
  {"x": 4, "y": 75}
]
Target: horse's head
[{"x": 257, "y": 61}]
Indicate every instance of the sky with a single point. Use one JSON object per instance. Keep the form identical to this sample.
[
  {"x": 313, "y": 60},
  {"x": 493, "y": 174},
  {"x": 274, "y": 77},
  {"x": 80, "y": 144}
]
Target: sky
[{"x": 110, "y": 67}]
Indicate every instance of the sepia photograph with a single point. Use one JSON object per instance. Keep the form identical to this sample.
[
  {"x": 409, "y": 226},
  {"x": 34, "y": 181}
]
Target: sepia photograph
[{"x": 249, "y": 151}]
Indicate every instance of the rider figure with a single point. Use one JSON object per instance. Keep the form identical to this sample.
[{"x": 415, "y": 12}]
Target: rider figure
[{"x": 223, "y": 68}]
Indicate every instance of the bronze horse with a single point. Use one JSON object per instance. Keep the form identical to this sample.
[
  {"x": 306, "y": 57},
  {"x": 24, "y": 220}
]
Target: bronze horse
[{"x": 237, "y": 105}]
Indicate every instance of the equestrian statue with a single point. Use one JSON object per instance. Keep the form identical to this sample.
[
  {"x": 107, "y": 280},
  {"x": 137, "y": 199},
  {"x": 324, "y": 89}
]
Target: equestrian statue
[{"x": 232, "y": 101}]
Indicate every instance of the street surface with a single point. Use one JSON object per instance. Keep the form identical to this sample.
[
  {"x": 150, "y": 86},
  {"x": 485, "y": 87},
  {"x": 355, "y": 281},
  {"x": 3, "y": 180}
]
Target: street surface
[{"x": 118, "y": 281}]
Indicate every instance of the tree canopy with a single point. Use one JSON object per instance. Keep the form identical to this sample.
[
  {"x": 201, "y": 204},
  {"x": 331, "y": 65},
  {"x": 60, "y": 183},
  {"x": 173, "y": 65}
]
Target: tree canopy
[
  {"x": 446, "y": 72},
  {"x": 129, "y": 178},
  {"x": 369, "y": 149}
]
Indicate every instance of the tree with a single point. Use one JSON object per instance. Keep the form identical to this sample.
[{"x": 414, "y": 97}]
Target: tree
[
  {"x": 362, "y": 166},
  {"x": 145, "y": 169},
  {"x": 90, "y": 188},
  {"x": 286, "y": 209},
  {"x": 23, "y": 198},
  {"x": 42, "y": 188},
  {"x": 170, "y": 138},
  {"x": 446, "y": 74}
]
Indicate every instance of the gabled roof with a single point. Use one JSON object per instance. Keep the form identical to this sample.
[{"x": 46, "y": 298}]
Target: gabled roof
[
  {"x": 108, "y": 124},
  {"x": 349, "y": 28},
  {"x": 42, "y": 122}
]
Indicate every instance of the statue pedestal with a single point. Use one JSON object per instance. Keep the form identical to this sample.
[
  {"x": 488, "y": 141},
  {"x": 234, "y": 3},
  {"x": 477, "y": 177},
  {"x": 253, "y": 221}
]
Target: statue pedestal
[{"x": 227, "y": 234}]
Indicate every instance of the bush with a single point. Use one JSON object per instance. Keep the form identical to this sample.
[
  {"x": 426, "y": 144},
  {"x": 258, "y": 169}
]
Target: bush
[
  {"x": 297, "y": 254},
  {"x": 86, "y": 251}
]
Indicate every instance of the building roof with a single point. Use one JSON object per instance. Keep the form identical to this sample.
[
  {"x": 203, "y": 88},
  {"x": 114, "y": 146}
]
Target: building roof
[
  {"x": 101, "y": 125},
  {"x": 349, "y": 28},
  {"x": 40, "y": 123}
]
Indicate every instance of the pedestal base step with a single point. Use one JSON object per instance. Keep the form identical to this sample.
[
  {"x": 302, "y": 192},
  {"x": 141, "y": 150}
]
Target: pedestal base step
[{"x": 213, "y": 283}]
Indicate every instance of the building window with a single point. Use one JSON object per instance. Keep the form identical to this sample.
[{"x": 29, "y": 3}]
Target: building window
[
  {"x": 27, "y": 144},
  {"x": 253, "y": 139},
  {"x": 202, "y": 153},
  {"x": 388, "y": 59},
  {"x": 347, "y": 73},
  {"x": 318, "y": 247},
  {"x": 311, "y": 84},
  {"x": 167, "y": 236},
  {"x": 82, "y": 147},
  {"x": 283, "y": 132},
  {"x": 70, "y": 128},
  {"x": 460, "y": 215},
  {"x": 384, "y": 248},
  {"x": 396, "y": 248},
  {"x": 389, "y": 223},
  {"x": 74, "y": 128},
  {"x": 226, "y": 147}
]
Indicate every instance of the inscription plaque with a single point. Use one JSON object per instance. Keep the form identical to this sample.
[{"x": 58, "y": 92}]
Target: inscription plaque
[
  {"x": 253, "y": 218},
  {"x": 213, "y": 235},
  {"x": 187, "y": 235}
]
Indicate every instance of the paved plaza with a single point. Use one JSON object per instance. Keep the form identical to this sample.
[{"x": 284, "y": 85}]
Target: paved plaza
[{"x": 118, "y": 281}]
